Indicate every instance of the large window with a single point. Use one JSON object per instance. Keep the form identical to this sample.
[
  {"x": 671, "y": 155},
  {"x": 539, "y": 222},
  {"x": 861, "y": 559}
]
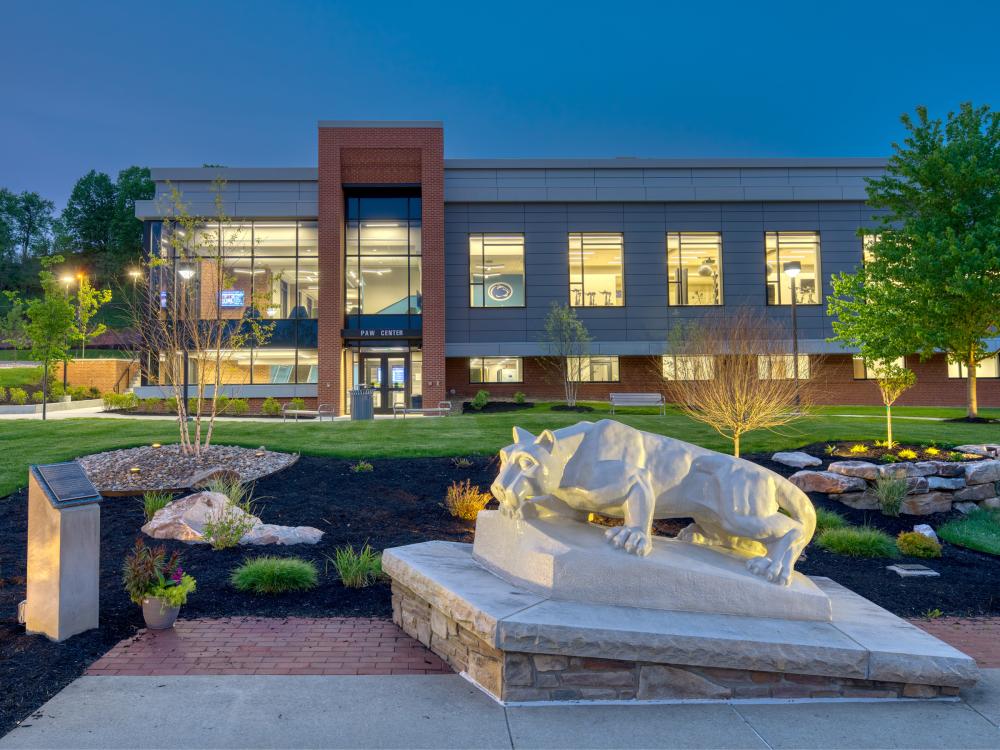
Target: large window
[
  {"x": 694, "y": 268},
  {"x": 496, "y": 270},
  {"x": 866, "y": 247},
  {"x": 988, "y": 368},
  {"x": 495, "y": 370},
  {"x": 594, "y": 369},
  {"x": 596, "y": 269},
  {"x": 781, "y": 367},
  {"x": 382, "y": 256},
  {"x": 870, "y": 370},
  {"x": 782, "y": 248},
  {"x": 688, "y": 367}
]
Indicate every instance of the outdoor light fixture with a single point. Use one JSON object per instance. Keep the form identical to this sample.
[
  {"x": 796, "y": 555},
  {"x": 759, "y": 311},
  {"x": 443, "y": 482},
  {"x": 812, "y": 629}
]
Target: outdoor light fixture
[
  {"x": 185, "y": 272},
  {"x": 155, "y": 445},
  {"x": 134, "y": 273},
  {"x": 135, "y": 470},
  {"x": 793, "y": 268}
]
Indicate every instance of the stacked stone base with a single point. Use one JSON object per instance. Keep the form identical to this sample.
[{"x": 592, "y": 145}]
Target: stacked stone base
[{"x": 523, "y": 677}]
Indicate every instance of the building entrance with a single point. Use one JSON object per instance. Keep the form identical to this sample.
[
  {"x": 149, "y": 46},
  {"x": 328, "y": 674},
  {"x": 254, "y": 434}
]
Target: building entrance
[{"x": 389, "y": 375}]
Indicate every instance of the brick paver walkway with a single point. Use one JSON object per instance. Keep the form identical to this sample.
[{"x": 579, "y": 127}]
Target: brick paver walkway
[
  {"x": 979, "y": 637},
  {"x": 292, "y": 646}
]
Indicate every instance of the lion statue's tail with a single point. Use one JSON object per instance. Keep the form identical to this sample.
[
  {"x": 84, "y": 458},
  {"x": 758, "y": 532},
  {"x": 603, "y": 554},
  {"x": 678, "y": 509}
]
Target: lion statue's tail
[{"x": 797, "y": 504}]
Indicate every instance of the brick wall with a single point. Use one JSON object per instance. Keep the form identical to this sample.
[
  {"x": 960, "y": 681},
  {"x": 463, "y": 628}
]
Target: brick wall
[
  {"x": 379, "y": 156},
  {"x": 833, "y": 379},
  {"x": 98, "y": 373}
]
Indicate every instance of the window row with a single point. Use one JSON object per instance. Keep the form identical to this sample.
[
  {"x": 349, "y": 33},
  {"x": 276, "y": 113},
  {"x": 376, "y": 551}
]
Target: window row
[
  {"x": 260, "y": 366},
  {"x": 988, "y": 368},
  {"x": 597, "y": 269}
]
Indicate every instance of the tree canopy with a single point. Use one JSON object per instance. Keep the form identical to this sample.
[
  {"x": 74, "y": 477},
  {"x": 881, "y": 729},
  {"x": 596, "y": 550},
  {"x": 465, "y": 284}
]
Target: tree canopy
[{"x": 932, "y": 280}]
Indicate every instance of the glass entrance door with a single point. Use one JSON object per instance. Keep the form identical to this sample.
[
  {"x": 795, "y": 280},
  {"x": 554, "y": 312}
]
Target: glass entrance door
[{"x": 389, "y": 375}]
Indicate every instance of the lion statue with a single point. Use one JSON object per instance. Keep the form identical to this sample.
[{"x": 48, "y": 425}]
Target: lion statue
[{"x": 610, "y": 468}]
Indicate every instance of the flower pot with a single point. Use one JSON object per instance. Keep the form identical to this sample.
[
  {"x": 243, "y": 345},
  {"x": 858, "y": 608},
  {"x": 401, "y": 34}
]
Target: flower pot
[{"x": 158, "y": 616}]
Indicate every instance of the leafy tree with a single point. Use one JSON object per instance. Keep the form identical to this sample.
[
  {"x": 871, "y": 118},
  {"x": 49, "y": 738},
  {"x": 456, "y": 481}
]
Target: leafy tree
[
  {"x": 89, "y": 299},
  {"x": 932, "y": 282},
  {"x": 8, "y": 201},
  {"x": 134, "y": 183},
  {"x": 568, "y": 341},
  {"x": 50, "y": 323},
  {"x": 30, "y": 222},
  {"x": 85, "y": 224},
  {"x": 14, "y": 323},
  {"x": 892, "y": 380}
]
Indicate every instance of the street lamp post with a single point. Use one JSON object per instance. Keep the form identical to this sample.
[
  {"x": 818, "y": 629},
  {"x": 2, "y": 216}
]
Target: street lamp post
[
  {"x": 186, "y": 272},
  {"x": 792, "y": 269},
  {"x": 66, "y": 279}
]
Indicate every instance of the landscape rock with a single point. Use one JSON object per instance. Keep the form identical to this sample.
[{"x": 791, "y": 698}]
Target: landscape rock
[
  {"x": 987, "y": 450},
  {"x": 269, "y": 533},
  {"x": 992, "y": 503},
  {"x": 907, "y": 469},
  {"x": 975, "y": 493},
  {"x": 860, "y": 500},
  {"x": 923, "y": 505},
  {"x": 204, "y": 477},
  {"x": 981, "y": 472},
  {"x": 945, "y": 483},
  {"x": 949, "y": 468},
  {"x": 916, "y": 485},
  {"x": 184, "y": 520},
  {"x": 798, "y": 459},
  {"x": 926, "y": 468},
  {"x": 826, "y": 481},
  {"x": 863, "y": 469},
  {"x": 964, "y": 508},
  {"x": 926, "y": 530}
]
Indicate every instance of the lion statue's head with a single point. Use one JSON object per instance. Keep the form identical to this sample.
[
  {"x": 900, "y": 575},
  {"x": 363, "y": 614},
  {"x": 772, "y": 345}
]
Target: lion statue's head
[{"x": 527, "y": 468}]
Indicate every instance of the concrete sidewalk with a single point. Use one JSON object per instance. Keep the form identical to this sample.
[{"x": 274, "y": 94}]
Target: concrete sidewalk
[{"x": 446, "y": 711}]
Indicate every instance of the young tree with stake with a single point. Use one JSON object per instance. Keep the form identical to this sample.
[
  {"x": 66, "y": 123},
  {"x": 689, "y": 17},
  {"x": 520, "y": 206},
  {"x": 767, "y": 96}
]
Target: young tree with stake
[
  {"x": 50, "y": 322},
  {"x": 568, "y": 343}
]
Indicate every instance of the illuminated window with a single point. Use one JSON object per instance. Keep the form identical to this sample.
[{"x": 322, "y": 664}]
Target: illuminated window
[
  {"x": 781, "y": 367},
  {"x": 596, "y": 276},
  {"x": 786, "y": 247},
  {"x": 866, "y": 248},
  {"x": 988, "y": 368},
  {"x": 688, "y": 368},
  {"x": 496, "y": 270},
  {"x": 694, "y": 268},
  {"x": 495, "y": 370},
  {"x": 594, "y": 369},
  {"x": 863, "y": 371}
]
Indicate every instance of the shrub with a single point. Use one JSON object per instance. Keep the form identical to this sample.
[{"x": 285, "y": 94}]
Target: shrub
[
  {"x": 357, "y": 569},
  {"x": 520, "y": 398},
  {"x": 980, "y": 530},
  {"x": 271, "y": 407},
  {"x": 120, "y": 401},
  {"x": 93, "y": 392},
  {"x": 464, "y": 500},
  {"x": 3, "y": 393},
  {"x": 152, "y": 404},
  {"x": 955, "y": 456},
  {"x": 154, "y": 501},
  {"x": 226, "y": 527},
  {"x": 79, "y": 392},
  {"x": 221, "y": 402},
  {"x": 858, "y": 448},
  {"x": 915, "y": 544},
  {"x": 828, "y": 519},
  {"x": 362, "y": 467},
  {"x": 38, "y": 397},
  {"x": 238, "y": 406},
  {"x": 171, "y": 404},
  {"x": 884, "y": 443},
  {"x": 482, "y": 398},
  {"x": 192, "y": 407},
  {"x": 148, "y": 572},
  {"x": 274, "y": 575},
  {"x": 890, "y": 459},
  {"x": 830, "y": 449},
  {"x": 932, "y": 451},
  {"x": 890, "y": 492},
  {"x": 462, "y": 463},
  {"x": 18, "y": 396},
  {"x": 907, "y": 455},
  {"x": 298, "y": 403},
  {"x": 857, "y": 541}
]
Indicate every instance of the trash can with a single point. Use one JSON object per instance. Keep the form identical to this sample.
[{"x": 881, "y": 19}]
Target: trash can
[
  {"x": 362, "y": 403},
  {"x": 417, "y": 402}
]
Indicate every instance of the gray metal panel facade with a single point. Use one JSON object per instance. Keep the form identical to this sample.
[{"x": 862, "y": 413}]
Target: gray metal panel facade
[{"x": 643, "y": 323}]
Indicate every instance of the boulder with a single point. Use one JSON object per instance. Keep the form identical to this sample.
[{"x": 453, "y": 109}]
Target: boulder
[
  {"x": 975, "y": 493},
  {"x": 202, "y": 478},
  {"x": 907, "y": 469},
  {"x": 798, "y": 459},
  {"x": 986, "y": 450},
  {"x": 923, "y": 505},
  {"x": 863, "y": 469},
  {"x": 949, "y": 468},
  {"x": 924, "y": 469},
  {"x": 916, "y": 485},
  {"x": 981, "y": 472},
  {"x": 269, "y": 533},
  {"x": 945, "y": 483},
  {"x": 859, "y": 500},
  {"x": 826, "y": 481},
  {"x": 926, "y": 530},
  {"x": 184, "y": 519},
  {"x": 964, "y": 508},
  {"x": 991, "y": 503}
]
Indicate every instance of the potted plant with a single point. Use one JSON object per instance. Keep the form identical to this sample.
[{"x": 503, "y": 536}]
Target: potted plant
[{"x": 157, "y": 582}]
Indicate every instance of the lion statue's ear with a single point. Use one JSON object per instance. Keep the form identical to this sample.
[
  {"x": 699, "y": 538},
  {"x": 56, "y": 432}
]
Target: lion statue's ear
[
  {"x": 546, "y": 440},
  {"x": 522, "y": 436}
]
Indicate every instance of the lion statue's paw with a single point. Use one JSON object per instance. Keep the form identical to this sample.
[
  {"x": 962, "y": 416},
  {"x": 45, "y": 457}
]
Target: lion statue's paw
[
  {"x": 631, "y": 539},
  {"x": 772, "y": 570}
]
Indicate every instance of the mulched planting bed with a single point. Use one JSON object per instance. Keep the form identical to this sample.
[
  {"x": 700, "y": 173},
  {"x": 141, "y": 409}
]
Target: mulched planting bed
[
  {"x": 841, "y": 451},
  {"x": 495, "y": 407},
  {"x": 399, "y": 502}
]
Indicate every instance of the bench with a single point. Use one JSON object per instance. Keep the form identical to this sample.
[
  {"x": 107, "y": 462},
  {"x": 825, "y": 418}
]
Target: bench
[
  {"x": 317, "y": 413},
  {"x": 443, "y": 409},
  {"x": 638, "y": 399}
]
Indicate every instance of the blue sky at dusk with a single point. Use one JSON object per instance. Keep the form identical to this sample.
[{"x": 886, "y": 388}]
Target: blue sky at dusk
[{"x": 104, "y": 85}]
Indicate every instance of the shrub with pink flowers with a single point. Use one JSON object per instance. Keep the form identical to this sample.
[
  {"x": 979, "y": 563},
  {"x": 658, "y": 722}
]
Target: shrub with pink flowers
[{"x": 149, "y": 572}]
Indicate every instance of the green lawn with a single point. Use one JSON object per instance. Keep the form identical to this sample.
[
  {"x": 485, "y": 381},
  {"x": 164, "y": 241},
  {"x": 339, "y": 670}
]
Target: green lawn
[
  {"x": 31, "y": 441},
  {"x": 20, "y": 376}
]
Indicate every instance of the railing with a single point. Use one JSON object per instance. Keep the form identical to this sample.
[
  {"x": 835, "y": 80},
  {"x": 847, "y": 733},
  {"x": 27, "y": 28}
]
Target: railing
[{"x": 126, "y": 376}]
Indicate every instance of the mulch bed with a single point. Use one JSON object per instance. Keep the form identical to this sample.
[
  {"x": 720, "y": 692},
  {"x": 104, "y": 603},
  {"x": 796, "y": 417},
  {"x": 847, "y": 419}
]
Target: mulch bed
[
  {"x": 399, "y": 502},
  {"x": 841, "y": 451},
  {"x": 495, "y": 407}
]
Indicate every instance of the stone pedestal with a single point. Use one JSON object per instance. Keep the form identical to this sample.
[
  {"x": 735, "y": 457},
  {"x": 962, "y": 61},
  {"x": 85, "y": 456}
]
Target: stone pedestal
[{"x": 522, "y": 645}]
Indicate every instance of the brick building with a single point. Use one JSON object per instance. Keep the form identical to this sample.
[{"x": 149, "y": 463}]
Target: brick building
[{"x": 431, "y": 278}]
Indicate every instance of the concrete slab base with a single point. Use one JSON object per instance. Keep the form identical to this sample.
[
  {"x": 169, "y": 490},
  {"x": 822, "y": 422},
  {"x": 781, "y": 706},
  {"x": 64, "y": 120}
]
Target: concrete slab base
[{"x": 520, "y": 646}]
